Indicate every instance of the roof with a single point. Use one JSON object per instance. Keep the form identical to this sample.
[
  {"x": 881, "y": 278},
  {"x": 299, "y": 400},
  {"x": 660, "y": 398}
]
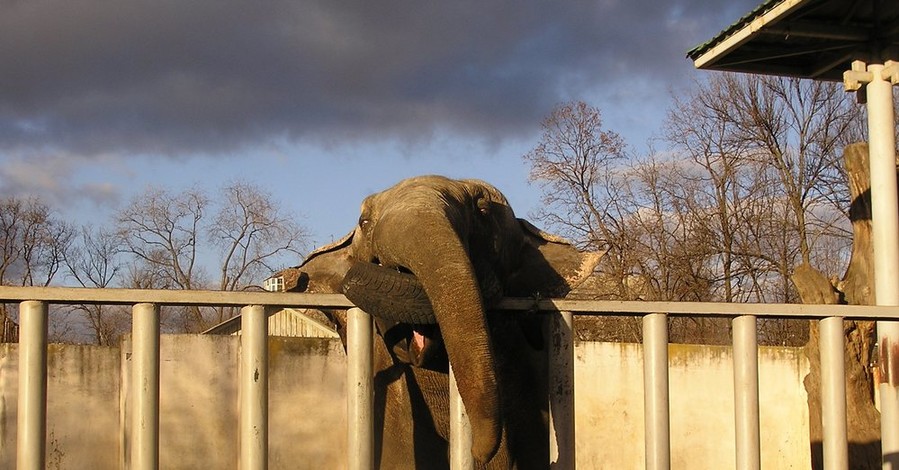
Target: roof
[
  {"x": 816, "y": 39},
  {"x": 285, "y": 322}
]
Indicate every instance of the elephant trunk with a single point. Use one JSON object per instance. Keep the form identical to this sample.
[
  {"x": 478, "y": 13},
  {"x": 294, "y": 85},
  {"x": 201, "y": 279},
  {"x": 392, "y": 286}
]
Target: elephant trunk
[{"x": 435, "y": 253}]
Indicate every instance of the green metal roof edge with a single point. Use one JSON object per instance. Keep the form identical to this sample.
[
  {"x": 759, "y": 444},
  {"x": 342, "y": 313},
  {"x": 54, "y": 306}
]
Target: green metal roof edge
[{"x": 760, "y": 10}]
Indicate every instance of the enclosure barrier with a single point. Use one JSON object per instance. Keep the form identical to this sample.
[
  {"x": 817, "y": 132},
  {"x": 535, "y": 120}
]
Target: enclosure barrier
[{"x": 253, "y": 390}]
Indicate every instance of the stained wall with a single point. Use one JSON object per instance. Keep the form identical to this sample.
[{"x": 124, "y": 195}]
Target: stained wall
[{"x": 89, "y": 405}]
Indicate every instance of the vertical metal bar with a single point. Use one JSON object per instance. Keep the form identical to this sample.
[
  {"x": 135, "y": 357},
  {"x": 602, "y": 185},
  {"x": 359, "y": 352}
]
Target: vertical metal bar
[
  {"x": 145, "y": 383},
  {"x": 885, "y": 238},
  {"x": 360, "y": 390},
  {"x": 746, "y": 392},
  {"x": 253, "y": 388},
  {"x": 655, "y": 391},
  {"x": 561, "y": 391},
  {"x": 833, "y": 394},
  {"x": 32, "y": 407},
  {"x": 460, "y": 430}
]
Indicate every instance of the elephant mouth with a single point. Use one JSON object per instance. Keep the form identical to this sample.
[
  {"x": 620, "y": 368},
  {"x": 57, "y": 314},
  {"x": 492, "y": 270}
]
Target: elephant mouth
[
  {"x": 388, "y": 293},
  {"x": 402, "y": 312},
  {"x": 418, "y": 345}
]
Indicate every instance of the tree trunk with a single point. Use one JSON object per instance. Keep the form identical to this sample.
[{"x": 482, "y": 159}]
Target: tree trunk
[{"x": 855, "y": 288}]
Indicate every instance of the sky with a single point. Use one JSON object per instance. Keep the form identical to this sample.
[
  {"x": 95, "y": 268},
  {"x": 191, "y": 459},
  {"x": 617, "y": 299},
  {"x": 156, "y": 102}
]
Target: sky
[{"x": 321, "y": 102}]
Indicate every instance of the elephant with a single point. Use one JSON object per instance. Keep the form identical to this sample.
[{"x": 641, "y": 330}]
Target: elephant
[{"x": 430, "y": 258}]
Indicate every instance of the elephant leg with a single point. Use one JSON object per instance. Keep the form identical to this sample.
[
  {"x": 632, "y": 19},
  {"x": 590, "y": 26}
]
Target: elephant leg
[
  {"x": 525, "y": 396},
  {"x": 413, "y": 430}
]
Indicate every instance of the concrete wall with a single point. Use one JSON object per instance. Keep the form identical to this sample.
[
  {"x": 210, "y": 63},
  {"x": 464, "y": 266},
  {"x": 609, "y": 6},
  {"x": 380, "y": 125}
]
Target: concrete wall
[
  {"x": 88, "y": 417},
  {"x": 83, "y": 416},
  {"x": 609, "y": 407},
  {"x": 87, "y": 412}
]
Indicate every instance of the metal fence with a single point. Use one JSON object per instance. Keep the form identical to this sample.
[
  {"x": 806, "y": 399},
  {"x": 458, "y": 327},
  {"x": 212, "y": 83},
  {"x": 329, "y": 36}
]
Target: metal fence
[
  {"x": 9, "y": 330},
  {"x": 33, "y": 320}
]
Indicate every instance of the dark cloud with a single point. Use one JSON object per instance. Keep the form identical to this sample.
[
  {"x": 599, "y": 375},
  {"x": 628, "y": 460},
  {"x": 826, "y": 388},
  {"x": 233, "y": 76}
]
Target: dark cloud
[{"x": 176, "y": 77}]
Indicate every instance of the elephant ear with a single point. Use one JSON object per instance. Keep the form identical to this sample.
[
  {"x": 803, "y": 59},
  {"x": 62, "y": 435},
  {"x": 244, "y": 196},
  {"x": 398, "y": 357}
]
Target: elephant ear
[
  {"x": 322, "y": 270},
  {"x": 549, "y": 265},
  {"x": 343, "y": 242}
]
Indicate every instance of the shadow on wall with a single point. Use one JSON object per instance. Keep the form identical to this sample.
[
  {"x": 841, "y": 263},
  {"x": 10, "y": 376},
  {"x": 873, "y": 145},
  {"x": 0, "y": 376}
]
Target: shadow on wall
[{"x": 862, "y": 456}]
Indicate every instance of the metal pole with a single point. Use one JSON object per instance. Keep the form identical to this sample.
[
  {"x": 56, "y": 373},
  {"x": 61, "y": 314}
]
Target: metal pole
[
  {"x": 746, "y": 392},
  {"x": 145, "y": 383},
  {"x": 460, "y": 430},
  {"x": 360, "y": 390},
  {"x": 885, "y": 225},
  {"x": 32, "y": 407},
  {"x": 655, "y": 391},
  {"x": 562, "y": 453},
  {"x": 833, "y": 394},
  {"x": 253, "y": 388}
]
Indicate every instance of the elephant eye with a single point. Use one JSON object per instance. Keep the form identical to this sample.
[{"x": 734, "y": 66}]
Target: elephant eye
[
  {"x": 364, "y": 222},
  {"x": 483, "y": 206}
]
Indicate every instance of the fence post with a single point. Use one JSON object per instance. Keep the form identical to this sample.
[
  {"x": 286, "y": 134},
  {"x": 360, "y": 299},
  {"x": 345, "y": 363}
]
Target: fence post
[
  {"x": 360, "y": 390},
  {"x": 655, "y": 391},
  {"x": 885, "y": 238},
  {"x": 253, "y": 388},
  {"x": 145, "y": 383},
  {"x": 561, "y": 391},
  {"x": 460, "y": 429},
  {"x": 32, "y": 407},
  {"x": 746, "y": 392},
  {"x": 833, "y": 393}
]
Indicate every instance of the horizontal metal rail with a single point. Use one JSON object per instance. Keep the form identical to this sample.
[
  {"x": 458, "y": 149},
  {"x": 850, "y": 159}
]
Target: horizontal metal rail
[
  {"x": 254, "y": 392},
  {"x": 204, "y": 298},
  {"x": 80, "y": 295}
]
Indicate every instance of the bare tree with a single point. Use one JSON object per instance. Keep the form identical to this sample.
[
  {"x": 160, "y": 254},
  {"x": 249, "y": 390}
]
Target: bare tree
[
  {"x": 782, "y": 138},
  {"x": 251, "y": 234},
  {"x": 752, "y": 189},
  {"x": 32, "y": 243},
  {"x": 798, "y": 128},
  {"x": 720, "y": 185},
  {"x": 96, "y": 261},
  {"x": 243, "y": 236},
  {"x": 635, "y": 213},
  {"x": 575, "y": 163},
  {"x": 161, "y": 229},
  {"x": 767, "y": 149},
  {"x": 674, "y": 250}
]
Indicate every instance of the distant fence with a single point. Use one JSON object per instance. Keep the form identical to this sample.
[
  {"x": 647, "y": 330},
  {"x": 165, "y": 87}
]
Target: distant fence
[
  {"x": 9, "y": 330},
  {"x": 253, "y": 385}
]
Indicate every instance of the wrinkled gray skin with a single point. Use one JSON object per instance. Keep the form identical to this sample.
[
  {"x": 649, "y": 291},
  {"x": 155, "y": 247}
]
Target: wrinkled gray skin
[{"x": 458, "y": 238}]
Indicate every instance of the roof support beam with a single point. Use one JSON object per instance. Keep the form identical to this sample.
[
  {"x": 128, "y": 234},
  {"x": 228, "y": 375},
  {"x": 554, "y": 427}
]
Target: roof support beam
[
  {"x": 876, "y": 82},
  {"x": 744, "y": 34},
  {"x": 818, "y": 31}
]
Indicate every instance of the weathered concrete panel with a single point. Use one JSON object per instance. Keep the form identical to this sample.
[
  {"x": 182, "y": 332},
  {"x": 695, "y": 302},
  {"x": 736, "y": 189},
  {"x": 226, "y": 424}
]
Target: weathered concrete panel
[
  {"x": 199, "y": 396},
  {"x": 307, "y": 404},
  {"x": 89, "y": 405},
  {"x": 609, "y": 407},
  {"x": 197, "y": 401},
  {"x": 83, "y": 386}
]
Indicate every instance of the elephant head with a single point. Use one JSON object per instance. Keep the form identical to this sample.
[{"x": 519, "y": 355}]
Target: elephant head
[
  {"x": 455, "y": 247},
  {"x": 438, "y": 229}
]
